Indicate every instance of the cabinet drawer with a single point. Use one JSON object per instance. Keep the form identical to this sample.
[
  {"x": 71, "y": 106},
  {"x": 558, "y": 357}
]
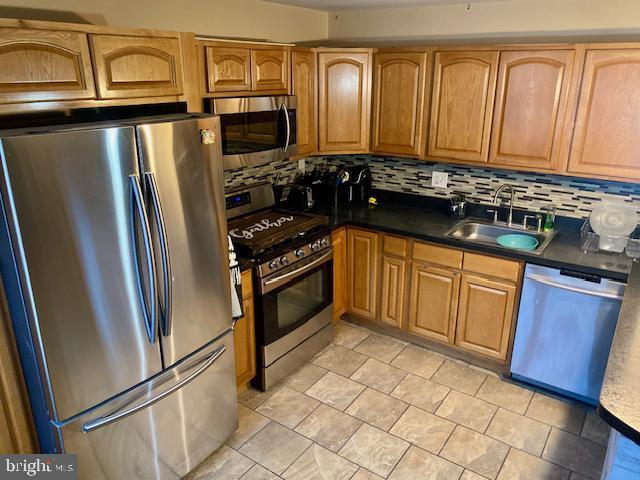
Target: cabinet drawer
[
  {"x": 395, "y": 246},
  {"x": 129, "y": 67},
  {"x": 247, "y": 286},
  {"x": 448, "y": 257},
  {"x": 492, "y": 266}
]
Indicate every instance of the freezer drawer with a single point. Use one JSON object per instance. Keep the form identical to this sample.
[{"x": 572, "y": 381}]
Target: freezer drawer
[
  {"x": 564, "y": 331},
  {"x": 165, "y": 439}
]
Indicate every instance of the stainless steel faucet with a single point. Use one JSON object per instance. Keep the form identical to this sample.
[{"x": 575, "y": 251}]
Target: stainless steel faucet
[{"x": 495, "y": 200}]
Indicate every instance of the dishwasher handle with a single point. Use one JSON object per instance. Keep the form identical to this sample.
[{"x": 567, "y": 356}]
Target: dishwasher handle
[{"x": 572, "y": 288}]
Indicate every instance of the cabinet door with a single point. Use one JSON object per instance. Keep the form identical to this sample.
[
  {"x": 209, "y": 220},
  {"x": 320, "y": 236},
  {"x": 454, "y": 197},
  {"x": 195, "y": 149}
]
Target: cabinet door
[
  {"x": 362, "y": 257},
  {"x": 433, "y": 302},
  {"x": 398, "y": 103},
  {"x": 41, "y": 65},
  {"x": 485, "y": 316},
  {"x": 530, "y": 107},
  {"x": 461, "y": 107},
  {"x": 128, "y": 67},
  {"x": 605, "y": 139},
  {"x": 304, "y": 88},
  {"x": 270, "y": 70},
  {"x": 244, "y": 343},
  {"x": 228, "y": 69},
  {"x": 393, "y": 280},
  {"x": 339, "y": 241},
  {"x": 344, "y": 91}
]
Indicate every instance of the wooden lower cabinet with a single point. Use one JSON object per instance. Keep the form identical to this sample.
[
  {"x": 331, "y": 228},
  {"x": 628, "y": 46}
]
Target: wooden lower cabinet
[
  {"x": 362, "y": 272},
  {"x": 433, "y": 302},
  {"x": 485, "y": 315},
  {"x": 339, "y": 242},
  {"x": 393, "y": 291},
  {"x": 244, "y": 340}
]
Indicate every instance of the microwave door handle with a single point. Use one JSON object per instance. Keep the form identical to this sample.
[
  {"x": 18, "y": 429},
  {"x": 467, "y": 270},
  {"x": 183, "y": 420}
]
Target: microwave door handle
[
  {"x": 283, "y": 108},
  {"x": 165, "y": 327},
  {"x": 150, "y": 312},
  {"x": 120, "y": 414},
  {"x": 286, "y": 117}
]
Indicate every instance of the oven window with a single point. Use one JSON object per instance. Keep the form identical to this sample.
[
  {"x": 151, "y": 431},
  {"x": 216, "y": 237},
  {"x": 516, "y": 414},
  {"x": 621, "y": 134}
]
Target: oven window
[
  {"x": 286, "y": 308},
  {"x": 298, "y": 300},
  {"x": 249, "y": 132}
]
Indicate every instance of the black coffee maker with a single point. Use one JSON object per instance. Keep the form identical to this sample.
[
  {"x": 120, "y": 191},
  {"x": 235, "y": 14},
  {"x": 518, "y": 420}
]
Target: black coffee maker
[{"x": 353, "y": 184}]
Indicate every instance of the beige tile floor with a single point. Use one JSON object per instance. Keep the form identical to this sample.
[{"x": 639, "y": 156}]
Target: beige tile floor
[{"x": 370, "y": 406}]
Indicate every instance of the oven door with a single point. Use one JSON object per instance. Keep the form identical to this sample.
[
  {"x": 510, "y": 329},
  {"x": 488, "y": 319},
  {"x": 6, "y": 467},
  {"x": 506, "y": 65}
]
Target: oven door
[
  {"x": 256, "y": 130},
  {"x": 293, "y": 299}
]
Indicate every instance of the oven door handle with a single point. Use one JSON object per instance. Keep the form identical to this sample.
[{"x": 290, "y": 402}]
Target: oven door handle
[
  {"x": 299, "y": 271},
  {"x": 283, "y": 108}
]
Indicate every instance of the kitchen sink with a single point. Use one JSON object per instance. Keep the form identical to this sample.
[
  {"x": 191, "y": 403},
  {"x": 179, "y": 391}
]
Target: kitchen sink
[{"x": 486, "y": 233}]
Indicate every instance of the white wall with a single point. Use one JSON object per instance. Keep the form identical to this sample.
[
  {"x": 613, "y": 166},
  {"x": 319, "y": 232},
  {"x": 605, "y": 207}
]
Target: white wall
[
  {"x": 509, "y": 18},
  {"x": 253, "y": 19}
]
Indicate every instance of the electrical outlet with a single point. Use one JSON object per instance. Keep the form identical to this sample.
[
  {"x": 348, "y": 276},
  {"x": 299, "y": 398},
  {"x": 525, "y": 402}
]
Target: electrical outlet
[
  {"x": 301, "y": 165},
  {"x": 439, "y": 179}
]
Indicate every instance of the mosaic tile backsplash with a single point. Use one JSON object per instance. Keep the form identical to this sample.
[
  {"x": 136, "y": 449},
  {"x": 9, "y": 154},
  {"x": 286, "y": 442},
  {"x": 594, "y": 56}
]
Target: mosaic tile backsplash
[{"x": 572, "y": 197}]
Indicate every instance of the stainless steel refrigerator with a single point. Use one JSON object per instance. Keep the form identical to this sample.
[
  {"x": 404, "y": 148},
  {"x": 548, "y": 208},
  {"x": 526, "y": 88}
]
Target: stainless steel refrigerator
[{"x": 117, "y": 274}]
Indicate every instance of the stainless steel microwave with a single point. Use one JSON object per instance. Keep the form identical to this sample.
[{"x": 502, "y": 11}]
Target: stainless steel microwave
[{"x": 256, "y": 130}]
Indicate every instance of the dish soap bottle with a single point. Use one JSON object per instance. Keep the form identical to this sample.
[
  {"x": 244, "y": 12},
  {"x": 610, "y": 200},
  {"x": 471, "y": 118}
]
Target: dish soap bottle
[{"x": 549, "y": 218}]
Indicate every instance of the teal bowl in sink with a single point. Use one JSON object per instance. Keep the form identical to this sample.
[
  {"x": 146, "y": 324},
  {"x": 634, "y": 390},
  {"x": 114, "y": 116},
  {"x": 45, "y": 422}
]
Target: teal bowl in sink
[{"x": 518, "y": 241}]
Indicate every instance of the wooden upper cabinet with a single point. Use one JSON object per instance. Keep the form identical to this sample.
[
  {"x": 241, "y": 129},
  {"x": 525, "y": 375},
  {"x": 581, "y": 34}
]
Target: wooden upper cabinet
[
  {"x": 485, "y": 315},
  {"x": 270, "y": 70},
  {"x": 362, "y": 270},
  {"x": 228, "y": 69},
  {"x": 461, "y": 106},
  {"x": 304, "y": 88},
  {"x": 398, "y": 103},
  {"x": 129, "y": 67},
  {"x": 530, "y": 107},
  {"x": 42, "y": 65},
  {"x": 433, "y": 302},
  {"x": 344, "y": 92},
  {"x": 606, "y": 139}
]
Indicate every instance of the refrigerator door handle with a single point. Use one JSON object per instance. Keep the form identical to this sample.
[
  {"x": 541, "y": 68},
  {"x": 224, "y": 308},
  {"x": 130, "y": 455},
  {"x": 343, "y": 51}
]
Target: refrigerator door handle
[
  {"x": 119, "y": 415},
  {"x": 165, "y": 307},
  {"x": 150, "y": 309}
]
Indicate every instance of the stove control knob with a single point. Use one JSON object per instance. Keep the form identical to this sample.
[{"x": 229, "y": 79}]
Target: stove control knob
[
  {"x": 273, "y": 264},
  {"x": 284, "y": 261},
  {"x": 324, "y": 242},
  {"x": 315, "y": 245},
  {"x": 299, "y": 253}
]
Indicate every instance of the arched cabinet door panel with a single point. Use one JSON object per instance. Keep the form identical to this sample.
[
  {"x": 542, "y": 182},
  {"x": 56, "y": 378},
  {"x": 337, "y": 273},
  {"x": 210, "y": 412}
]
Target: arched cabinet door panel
[
  {"x": 462, "y": 104},
  {"x": 530, "y": 108},
  {"x": 44, "y": 65},
  {"x": 130, "y": 67},
  {"x": 398, "y": 103},
  {"x": 270, "y": 70},
  {"x": 344, "y": 90},
  {"x": 228, "y": 69},
  {"x": 606, "y": 140}
]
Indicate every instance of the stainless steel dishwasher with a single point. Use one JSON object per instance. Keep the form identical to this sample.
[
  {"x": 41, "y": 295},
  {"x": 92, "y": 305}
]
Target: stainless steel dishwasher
[{"x": 565, "y": 326}]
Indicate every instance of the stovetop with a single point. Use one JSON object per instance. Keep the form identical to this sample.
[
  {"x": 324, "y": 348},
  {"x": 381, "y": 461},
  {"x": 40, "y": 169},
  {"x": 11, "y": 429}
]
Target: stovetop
[{"x": 273, "y": 230}]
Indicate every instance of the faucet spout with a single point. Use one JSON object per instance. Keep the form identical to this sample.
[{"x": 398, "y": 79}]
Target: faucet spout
[{"x": 500, "y": 189}]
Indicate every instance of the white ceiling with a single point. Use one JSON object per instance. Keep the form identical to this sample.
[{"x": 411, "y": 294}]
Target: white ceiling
[{"x": 335, "y": 5}]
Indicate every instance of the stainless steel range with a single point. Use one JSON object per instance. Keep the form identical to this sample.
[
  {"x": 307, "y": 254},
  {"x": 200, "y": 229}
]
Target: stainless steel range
[{"x": 293, "y": 278}]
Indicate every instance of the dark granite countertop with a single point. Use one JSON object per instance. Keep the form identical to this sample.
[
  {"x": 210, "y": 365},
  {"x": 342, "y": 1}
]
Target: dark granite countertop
[
  {"x": 427, "y": 222},
  {"x": 620, "y": 395}
]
